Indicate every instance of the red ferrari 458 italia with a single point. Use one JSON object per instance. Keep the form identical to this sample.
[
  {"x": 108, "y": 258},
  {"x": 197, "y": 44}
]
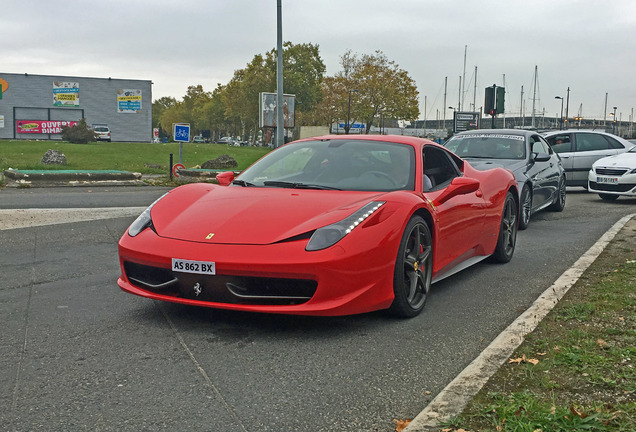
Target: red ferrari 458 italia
[{"x": 331, "y": 225}]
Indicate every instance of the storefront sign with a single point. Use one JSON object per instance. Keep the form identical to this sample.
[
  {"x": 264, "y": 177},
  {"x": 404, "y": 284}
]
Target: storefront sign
[
  {"x": 65, "y": 94},
  {"x": 128, "y": 101},
  {"x": 42, "y": 126}
]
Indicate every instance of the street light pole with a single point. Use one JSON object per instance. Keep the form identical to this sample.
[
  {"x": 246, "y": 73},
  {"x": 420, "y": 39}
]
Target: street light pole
[
  {"x": 614, "y": 121},
  {"x": 347, "y": 125},
  {"x": 561, "y": 118},
  {"x": 280, "y": 121}
]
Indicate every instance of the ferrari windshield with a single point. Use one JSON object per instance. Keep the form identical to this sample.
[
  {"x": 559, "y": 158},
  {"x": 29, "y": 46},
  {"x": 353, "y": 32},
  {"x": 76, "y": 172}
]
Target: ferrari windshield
[
  {"x": 341, "y": 164},
  {"x": 488, "y": 146}
]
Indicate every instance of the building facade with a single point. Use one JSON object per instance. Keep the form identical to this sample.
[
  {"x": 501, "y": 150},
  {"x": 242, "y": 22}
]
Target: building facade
[{"x": 37, "y": 106}]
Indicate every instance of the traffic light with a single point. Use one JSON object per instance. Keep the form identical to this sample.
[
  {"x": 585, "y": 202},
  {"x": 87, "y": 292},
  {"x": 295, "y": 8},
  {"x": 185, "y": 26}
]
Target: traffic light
[
  {"x": 501, "y": 96},
  {"x": 489, "y": 103},
  {"x": 494, "y": 100}
]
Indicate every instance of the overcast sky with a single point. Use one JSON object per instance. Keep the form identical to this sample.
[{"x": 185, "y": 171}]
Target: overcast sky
[{"x": 587, "y": 45}]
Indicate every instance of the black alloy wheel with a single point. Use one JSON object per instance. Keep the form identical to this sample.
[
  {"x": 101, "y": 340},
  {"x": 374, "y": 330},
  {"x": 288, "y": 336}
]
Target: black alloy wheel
[
  {"x": 413, "y": 269},
  {"x": 507, "y": 232},
  {"x": 526, "y": 207}
]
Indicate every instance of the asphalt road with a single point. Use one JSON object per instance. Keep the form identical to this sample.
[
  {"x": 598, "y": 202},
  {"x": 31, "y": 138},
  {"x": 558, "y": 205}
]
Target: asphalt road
[{"x": 79, "y": 354}]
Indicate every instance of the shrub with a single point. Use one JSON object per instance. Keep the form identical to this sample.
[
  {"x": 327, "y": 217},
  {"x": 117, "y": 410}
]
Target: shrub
[{"x": 78, "y": 134}]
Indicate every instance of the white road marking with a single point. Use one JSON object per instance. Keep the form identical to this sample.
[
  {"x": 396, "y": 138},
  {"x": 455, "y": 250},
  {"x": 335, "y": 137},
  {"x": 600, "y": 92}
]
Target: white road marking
[
  {"x": 452, "y": 400},
  {"x": 24, "y": 218}
]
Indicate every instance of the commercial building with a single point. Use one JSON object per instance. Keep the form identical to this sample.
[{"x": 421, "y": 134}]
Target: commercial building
[{"x": 37, "y": 106}]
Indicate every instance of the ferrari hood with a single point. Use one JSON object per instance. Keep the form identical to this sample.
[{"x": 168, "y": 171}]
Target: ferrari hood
[{"x": 250, "y": 215}]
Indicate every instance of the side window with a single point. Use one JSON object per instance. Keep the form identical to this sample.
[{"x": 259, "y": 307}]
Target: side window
[
  {"x": 590, "y": 142},
  {"x": 439, "y": 168},
  {"x": 539, "y": 145},
  {"x": 560, "y": 143},
  {"x": 614, "y": 144}
]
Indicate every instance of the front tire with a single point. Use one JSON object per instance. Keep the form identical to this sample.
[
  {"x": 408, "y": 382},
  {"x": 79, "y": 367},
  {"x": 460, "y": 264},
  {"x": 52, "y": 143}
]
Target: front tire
[
  {"x": 413, "y": 270},
  {"x": 507, "y": 231}
]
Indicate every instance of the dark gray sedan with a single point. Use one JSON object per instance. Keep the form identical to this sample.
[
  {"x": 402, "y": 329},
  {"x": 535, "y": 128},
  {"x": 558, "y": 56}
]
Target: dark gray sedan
[{"x": 537, "y": 168}]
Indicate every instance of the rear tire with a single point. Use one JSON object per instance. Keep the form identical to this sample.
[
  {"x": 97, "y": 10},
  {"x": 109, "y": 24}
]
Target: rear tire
[
  {"x": 608, "y": 197},
  {"x": 559, "y": 203},
  {"x": 507, "y": 231},
  {"x": 413, "y": 270}
]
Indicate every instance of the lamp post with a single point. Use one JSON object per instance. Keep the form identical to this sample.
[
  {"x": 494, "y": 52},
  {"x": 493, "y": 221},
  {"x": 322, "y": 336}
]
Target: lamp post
[
  {"x": 561, "y": 118},
  {"x": 347, "y": 125},
  {"x": 454, "y": 110},
  {"x": 614, "y": 121}
]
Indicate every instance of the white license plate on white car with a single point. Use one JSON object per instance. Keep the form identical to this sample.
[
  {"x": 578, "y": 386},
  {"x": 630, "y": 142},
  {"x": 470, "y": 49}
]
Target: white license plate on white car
[
  {"x": 188, "y": 266},
  {"x": 610, "y": 180}
]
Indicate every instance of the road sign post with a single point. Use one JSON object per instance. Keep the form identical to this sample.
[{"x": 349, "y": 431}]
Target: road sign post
[{"x": 181, "y": 133}]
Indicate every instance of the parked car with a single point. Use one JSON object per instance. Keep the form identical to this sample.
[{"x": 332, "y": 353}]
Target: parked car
[
  {"x": 198, "y": 139},
  {"x": 349, "y": 229},
  {"x": 539, "y": 173},
  {"x": 614, "y": 176},
  {"x": 579, "y": 149},
  {"x": 102, "y": 132}
]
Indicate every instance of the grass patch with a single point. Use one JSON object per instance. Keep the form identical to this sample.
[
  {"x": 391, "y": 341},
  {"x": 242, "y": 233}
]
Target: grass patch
[
  {"x": 582, "y": 376},
  {"x": 145, "y": 158}
]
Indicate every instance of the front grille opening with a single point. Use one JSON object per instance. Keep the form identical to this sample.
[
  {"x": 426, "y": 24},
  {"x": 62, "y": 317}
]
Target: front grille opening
[
  {"x": 622, "y": 187},
  {"x": 248, "y": 290}
]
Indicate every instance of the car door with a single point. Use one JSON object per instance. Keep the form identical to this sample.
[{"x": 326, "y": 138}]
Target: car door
[
  {"x": 588, "y": 148},
  {"x": 545, "y": 175},
  {"x": 563, "y": 145},
  {"x": 460, "y": 219}
]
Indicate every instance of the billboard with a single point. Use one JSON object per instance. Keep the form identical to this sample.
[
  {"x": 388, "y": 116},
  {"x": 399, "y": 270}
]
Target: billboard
[
  {"x": 65, "y": 94},
  {"x": 42, "y": 126},
  {"x": 129, "y": 101},
  {"x": 267, "y": 110},
  {"x": 464, "y": 121}
]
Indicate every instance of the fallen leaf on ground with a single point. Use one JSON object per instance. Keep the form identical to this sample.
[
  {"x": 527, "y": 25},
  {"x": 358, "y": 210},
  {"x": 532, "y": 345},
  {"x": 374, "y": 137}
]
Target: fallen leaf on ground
[{"x": 401, "y": 424}]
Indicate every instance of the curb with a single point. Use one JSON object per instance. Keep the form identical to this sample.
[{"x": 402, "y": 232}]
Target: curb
[
  {"x": 452, "y": 400},
  {"x": 35, "y": 178}
]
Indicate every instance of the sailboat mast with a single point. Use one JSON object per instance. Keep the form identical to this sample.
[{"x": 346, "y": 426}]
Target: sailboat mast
[
  {"x": 534, "y": 94},
  {"x": 463, "y": 81}
]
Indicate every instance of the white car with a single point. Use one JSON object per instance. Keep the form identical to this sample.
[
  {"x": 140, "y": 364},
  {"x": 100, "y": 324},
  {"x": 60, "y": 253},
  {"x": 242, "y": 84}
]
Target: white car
[
  {"x": 614, "y": 176},
  {"x": 102, "y": 132},
  {"x": 579, "y": 149}
]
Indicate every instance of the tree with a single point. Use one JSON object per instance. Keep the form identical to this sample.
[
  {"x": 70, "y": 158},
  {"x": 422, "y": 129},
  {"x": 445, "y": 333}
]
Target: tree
[
  {"x": 376, "y": 86},
  {"x": 303, "y": 71},
  {"x": 159, "y": 106}
]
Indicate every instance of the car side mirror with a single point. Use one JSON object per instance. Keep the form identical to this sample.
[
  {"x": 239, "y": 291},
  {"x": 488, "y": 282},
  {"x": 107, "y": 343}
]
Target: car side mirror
[
  {"x": 458, "y": 186},
  {"x": 541, "y": 157},
  {"x": 225, "y": 178}
]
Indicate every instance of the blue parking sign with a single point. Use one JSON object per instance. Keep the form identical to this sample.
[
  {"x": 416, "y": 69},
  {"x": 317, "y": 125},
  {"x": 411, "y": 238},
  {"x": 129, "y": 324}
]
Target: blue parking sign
[{"x": 182, "y": 132}]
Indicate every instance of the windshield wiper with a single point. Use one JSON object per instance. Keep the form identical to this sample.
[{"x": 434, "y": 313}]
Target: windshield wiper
[
  {"x": 242, "y": 183},
  {"x": 296, "y": 185}
]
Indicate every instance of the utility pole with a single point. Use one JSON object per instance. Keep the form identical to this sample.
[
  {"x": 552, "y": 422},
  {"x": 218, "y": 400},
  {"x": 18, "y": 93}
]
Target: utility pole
[{"x": 280, "y": 121}]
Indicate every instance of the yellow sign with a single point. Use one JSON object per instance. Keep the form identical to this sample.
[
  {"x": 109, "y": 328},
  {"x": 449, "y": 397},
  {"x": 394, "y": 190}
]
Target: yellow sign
[{"x": 4, "y": 85}]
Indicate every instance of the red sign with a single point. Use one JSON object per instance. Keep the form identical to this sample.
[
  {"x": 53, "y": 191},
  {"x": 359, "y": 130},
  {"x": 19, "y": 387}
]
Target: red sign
[{"x": 42, "y": 126}]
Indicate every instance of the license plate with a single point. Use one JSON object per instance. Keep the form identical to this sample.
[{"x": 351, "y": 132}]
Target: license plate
[
  {"x": 199, "y": 267},
  {"x": 611, "y": 180}
]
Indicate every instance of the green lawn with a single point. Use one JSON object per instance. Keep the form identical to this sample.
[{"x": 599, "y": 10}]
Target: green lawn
[{"x": 136, "y": 157}]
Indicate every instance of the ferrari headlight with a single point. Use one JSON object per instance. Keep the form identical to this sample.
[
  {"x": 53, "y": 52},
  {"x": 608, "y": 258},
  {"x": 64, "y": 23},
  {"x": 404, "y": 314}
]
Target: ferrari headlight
[
  {"x": 331, "y": 234},
  {"x": 143, "y": 221}
]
